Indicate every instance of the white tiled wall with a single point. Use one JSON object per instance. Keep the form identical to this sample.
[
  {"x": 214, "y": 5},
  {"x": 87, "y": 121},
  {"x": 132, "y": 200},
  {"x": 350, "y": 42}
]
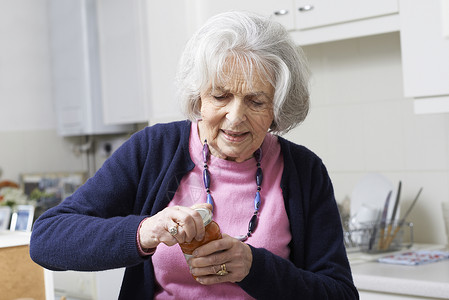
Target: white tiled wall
[{"x": 360, "y": 123}]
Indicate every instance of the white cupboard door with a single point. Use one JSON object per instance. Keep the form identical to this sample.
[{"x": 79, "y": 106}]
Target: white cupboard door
[
  {"x": 316, "y": 13},
  {"x": 425, "y": 49},
  {"x": 123, "y": 63},
  {"x": 167, "y": 35},
  {"x": 280, "y": 10}
]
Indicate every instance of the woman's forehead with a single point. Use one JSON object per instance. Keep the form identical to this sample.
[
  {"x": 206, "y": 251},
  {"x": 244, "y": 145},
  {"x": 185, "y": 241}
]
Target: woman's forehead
[{"x": 236, "y": 72}]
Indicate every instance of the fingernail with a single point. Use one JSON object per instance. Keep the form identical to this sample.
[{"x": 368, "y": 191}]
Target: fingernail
[
  {"x": 195, "y": 253},
  {"x": 200, "y": 237},
  {"x": 199, "y": 280}
]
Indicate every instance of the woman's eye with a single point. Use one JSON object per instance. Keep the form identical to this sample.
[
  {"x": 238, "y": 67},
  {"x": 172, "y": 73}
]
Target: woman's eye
[
  {"x": 258, "y": 105},
  {"x": 220, "y": 97}
]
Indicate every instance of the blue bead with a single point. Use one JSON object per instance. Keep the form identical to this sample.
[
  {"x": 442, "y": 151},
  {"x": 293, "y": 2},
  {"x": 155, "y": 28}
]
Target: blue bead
[
  {"x": 205, "y": 152},
  {"x": 252, "y": 224},
  {"x": 257, "y": 201},
  {"x": 210, "y": 200},
  {"x": 259, "y": 176},
  {"x": 206, "y": 178}
]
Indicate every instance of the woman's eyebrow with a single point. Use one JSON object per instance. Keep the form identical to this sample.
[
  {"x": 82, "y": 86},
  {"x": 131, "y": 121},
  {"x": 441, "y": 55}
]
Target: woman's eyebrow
[
  {"x": 255, "y": 93},
  {"x": 261, "y": 93}
]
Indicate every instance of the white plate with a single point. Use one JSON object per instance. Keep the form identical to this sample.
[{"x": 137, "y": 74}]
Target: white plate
[{"x": 371, "y": 191}]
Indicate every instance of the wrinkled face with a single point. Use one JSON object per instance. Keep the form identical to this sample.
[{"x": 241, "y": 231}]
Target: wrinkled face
[{"x": 236, "y": 115}]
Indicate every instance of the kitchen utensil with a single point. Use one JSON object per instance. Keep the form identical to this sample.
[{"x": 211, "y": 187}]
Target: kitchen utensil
[
  {"x": 402, "y": 221},
  {"x": 393, "y": 215},
  {"x": 384, "y": 220}
]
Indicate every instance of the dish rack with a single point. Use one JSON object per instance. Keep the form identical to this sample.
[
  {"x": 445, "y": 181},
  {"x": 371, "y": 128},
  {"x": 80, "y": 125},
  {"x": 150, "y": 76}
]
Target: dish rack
[{"x": 378, "y": 237}]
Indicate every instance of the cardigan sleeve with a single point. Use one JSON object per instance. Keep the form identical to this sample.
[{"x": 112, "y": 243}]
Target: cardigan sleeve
[
  {"x": 95, "y": 228},
  {"x": 318, "y": 267}
]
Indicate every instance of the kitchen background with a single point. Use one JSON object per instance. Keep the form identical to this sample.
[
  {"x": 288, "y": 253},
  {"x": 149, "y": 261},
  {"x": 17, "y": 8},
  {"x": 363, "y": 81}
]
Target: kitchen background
[{"x": 360, "y": 122}]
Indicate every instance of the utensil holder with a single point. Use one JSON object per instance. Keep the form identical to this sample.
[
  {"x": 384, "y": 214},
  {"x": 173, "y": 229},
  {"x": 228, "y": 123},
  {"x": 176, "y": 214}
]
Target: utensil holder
[{"x": 379, "y": 237}]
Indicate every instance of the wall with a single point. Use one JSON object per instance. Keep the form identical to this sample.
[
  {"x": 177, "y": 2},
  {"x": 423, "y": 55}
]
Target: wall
[
  {"x": 28, "y": 139},
  {"x": 360, "y": 123}
]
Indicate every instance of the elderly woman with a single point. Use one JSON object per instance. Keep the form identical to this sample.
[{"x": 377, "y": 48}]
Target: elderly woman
[{"x": 242, "y": 81}]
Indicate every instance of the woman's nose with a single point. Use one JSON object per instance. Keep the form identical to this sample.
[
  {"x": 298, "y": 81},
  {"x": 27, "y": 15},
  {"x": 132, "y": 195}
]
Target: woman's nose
[{"x": 236, "y": 112}]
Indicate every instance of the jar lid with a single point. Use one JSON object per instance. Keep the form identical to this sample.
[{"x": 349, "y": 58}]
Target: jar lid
[{"x": 206, "y": 215}]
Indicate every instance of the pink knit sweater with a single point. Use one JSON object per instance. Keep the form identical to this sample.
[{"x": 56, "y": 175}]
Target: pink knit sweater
[{"x": 233, "y": 188}]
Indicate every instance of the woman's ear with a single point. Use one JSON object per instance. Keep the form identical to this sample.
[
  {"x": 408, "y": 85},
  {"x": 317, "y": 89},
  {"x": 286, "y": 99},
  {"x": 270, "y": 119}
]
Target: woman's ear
[{"x": 198, "y": 105}]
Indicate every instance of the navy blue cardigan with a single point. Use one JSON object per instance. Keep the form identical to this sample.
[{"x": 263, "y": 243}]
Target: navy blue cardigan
[{"x": 95, "y": 228}]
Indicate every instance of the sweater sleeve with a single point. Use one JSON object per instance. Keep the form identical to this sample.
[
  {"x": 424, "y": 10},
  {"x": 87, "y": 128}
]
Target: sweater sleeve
[
  {"x": 318, "y": 267},
  {"x": 95, "y": 228}
]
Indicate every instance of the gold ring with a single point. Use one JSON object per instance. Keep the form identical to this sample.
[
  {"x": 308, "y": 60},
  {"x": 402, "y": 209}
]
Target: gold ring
[
  {"x": 222, "y": 271},
  {"x": 173, "y": 230}
]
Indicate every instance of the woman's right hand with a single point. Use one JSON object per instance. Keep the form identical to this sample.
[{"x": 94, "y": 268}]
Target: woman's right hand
[{"x": 155, "y": 229}]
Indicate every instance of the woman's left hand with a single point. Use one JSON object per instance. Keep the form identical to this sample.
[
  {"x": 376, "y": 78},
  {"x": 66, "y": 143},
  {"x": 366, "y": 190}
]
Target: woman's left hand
[{"x": 208, "y": 259}]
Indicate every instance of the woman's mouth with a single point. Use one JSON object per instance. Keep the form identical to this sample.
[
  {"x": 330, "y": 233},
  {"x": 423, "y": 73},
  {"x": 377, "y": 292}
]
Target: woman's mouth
[{"x": 234, "y": 136}]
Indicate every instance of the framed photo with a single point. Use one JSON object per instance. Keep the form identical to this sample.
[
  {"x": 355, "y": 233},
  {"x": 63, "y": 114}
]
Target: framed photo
[
  {"x": 59, "y": 185},
  {"x": 22, "y": 219},
  {"x": 5, "y": 216},
  {"x": 49, "y": 189}
]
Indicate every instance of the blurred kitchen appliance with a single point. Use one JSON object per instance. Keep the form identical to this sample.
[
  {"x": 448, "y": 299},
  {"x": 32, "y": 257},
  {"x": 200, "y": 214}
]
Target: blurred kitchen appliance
[{"x": 75, "y": 68}]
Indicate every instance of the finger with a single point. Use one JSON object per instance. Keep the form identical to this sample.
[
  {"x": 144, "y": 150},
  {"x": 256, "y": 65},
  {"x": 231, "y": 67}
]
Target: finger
[
  {"x": 205, "y": 271},
  {"x": 212, "y": 270},
  {"x": 172, "y": 231},
  {"x": 191, "y": 223},
  {"x": 202, "y": 205},
  {"x": 214, "y": 279},
  {"x": 199, "y": 222},
  {"x": 154, "y": 230},
  {"x": 212, "y": 247},
  {"x": 221, "y": 275},
  {"x": 237, "y": 260}
]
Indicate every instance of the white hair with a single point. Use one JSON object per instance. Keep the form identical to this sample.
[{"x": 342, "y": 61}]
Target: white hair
[{"x": 255, "y": 43}]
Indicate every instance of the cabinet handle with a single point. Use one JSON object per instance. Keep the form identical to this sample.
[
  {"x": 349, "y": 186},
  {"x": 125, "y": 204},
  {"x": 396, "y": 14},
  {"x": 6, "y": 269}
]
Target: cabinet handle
[
  {"x": 305, "y": 8},
  {"x": 281, "y": 12}
]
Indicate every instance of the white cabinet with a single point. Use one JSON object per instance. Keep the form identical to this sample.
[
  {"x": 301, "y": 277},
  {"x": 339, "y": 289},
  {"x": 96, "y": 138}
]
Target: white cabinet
[
  {"x": 314, "y": 21},
  {"x": 168, "y": 31},
  {"x": 76, "y": 69},
  {"x": 123, "y": 45},
  {"x": 425, "y": 54},
  {"x": 316, "y": 13},
  {"x": 330, "y": 20},
  {"x": 140, "y": 45},
  {"x": 280, "y": 10},
  {"x": 101, "y": 285}
]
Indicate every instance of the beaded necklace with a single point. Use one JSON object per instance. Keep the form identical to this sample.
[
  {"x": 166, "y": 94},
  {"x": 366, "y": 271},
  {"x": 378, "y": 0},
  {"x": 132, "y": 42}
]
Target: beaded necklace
[{"x": 257, "y": 199}]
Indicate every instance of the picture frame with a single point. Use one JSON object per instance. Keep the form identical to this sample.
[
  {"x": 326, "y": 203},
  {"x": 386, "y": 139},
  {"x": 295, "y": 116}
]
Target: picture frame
[
  {"x": 50, "y": 189},
  {"x": 5, "y": 217},
  {"x": 22, "y": 218},
  {"x": 59, "y": 184}
]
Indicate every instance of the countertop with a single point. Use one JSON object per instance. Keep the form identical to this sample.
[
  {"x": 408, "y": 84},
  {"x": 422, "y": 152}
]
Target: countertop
[
  {"x": 429, "y": 280},
  {"x": 14, "y": 238}
]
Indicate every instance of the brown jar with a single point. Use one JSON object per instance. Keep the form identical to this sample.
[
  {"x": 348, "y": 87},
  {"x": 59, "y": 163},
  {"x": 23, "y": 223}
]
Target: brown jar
[{"x": 212, "y": 232}]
